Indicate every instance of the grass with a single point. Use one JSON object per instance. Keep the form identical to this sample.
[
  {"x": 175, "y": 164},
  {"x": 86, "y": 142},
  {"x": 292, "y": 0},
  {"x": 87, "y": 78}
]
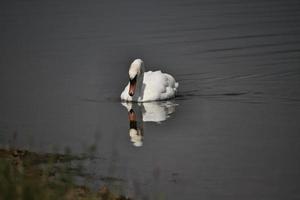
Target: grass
[{"x": 28, "y": 175}]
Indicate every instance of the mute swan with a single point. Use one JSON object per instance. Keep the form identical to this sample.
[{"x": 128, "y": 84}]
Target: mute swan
[
  {"x": 138, "y": 113},
  {"x": 148, "y": 86}
]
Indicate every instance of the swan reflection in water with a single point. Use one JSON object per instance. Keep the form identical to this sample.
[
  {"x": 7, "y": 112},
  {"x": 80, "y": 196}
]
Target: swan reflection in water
[{"x": 138, "y": 113}]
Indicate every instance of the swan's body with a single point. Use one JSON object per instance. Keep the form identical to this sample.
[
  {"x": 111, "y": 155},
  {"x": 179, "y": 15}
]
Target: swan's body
[
  {"x": 148, "y": 86},
  {"x": 151, "y": 111}
]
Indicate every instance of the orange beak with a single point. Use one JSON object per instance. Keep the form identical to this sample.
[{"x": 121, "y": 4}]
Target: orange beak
[
  {"x": 132, "y": 89},
  {"x": 132, "y": 86},
  {"x": 131, "y": 115}
]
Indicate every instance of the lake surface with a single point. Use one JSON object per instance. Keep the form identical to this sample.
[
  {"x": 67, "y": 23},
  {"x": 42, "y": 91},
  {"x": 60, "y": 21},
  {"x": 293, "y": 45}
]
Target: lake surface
[{"x": 231, "y": 133}]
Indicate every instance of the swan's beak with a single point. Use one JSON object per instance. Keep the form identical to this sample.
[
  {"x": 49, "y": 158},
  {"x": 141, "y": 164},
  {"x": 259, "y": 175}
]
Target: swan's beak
[
  {"x": 132, "y": 86},
  {"x": 132, "y": 89},
  {"x": 131, "y": 115}
]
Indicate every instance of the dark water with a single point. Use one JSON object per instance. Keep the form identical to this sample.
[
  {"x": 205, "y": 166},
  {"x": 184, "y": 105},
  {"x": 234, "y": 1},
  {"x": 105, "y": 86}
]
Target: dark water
[{"x": 232, "y": 132}]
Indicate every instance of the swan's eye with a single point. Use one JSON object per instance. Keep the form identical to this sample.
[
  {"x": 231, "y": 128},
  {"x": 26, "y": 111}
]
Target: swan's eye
[{"x": 132, "y": 81}]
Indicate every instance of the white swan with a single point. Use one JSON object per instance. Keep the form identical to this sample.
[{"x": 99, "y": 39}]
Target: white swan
[
  {"x": 148, "y": 86},
  {"x": 138, "y": 113}
]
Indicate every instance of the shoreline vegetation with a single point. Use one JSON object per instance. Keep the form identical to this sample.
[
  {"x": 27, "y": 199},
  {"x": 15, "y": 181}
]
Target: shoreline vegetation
[{"x": 29, "y": 175}]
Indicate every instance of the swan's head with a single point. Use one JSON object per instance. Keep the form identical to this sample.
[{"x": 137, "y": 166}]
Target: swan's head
[
  {"x": 135, "y": 131},
  {"x": 136, "y": 137},
  {"x": 136, "y": 69}
]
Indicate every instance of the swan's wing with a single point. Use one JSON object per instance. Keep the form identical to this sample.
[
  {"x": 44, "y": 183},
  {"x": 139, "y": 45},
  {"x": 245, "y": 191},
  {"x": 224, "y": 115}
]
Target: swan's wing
[
  {"x": 158, "y": 86},
  {"x": 170, "y": 87},
  {"x": 171, "y": 81},
  {"x": 153, "y": 85}
]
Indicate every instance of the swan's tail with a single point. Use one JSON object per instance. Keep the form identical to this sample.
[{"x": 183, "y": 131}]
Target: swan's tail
[{"x": 176, "y": 86}]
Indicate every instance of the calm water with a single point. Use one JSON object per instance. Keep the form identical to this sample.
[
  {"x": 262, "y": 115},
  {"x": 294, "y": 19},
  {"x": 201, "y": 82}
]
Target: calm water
[{"x": 232, "y": 132}]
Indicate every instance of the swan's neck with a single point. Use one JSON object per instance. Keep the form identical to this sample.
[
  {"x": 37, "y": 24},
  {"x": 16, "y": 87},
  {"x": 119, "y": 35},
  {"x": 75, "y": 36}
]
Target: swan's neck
[{"x": 139, "y": 85}]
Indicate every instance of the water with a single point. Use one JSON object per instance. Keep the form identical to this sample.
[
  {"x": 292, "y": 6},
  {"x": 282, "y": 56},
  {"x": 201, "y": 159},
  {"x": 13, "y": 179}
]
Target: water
[{"x": 232, "y": 132}]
